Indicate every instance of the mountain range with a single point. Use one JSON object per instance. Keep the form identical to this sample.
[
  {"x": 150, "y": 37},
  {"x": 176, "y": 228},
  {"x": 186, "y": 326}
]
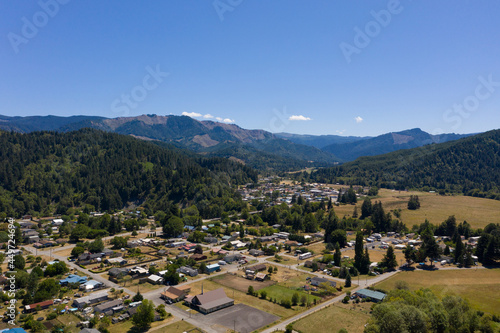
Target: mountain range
[{"x": 256, "y": 148}]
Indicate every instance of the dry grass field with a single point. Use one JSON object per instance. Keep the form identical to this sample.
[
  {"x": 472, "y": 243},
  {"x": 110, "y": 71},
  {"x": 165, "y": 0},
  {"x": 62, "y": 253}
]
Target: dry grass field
[
  {"x": 240, "y": 283},
  {"x": 332, "y": 319},
  {"x": 481, "y": 287},
  {"x": 436, "y": 208},
  {"x": 377, "y": 254}
]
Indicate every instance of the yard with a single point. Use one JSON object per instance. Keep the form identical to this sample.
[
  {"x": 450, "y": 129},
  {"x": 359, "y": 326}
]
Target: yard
[
  {"x": 280, "y": 293},
  {"x": 479, "y": 286},
  {"x": 332, "y": 319}
]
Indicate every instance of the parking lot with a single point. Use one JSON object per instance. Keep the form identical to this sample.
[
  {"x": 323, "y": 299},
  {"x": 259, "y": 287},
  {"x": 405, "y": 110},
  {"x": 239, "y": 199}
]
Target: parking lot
[{"x": 240, "y": 316}]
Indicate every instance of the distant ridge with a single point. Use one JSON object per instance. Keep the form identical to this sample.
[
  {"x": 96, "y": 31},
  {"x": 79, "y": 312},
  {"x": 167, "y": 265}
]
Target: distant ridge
[
  {"x": 387, "y": 143},
  {"x": 469, "y": 165},
  {"x": 256, "y": 148}
]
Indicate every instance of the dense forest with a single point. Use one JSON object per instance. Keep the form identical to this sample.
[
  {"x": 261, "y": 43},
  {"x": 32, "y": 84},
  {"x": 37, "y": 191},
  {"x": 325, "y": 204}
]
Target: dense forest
[
  {"x": 46, "y": 172},
  {"x": 470, "y": 166}
]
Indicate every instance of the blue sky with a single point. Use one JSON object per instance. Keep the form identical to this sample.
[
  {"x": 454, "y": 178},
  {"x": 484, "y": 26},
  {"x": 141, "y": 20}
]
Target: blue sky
[{"x": 315, "y": 67}]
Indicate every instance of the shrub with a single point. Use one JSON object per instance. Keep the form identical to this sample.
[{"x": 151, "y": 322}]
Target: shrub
[{"x": 345, "y": 300}]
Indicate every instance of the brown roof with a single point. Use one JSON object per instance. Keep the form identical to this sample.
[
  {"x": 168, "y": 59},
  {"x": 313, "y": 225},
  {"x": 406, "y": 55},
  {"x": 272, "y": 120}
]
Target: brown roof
[
  {"x": 173, "y": 293},
  {"x": 211, "y": 296},
  {"x": 259, "y": 267},
  {"x": 42, "y": 304}
]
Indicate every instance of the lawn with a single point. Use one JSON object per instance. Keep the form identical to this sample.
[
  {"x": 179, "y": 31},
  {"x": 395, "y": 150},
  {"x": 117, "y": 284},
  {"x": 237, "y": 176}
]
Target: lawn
[
  {"x": 479, "y": 286},
  {"x": 69, "y": 321},
  {"x": 436, "y": 208},
  {"x": 282, "y": 293},
  {"x": 332, "y": 319}
]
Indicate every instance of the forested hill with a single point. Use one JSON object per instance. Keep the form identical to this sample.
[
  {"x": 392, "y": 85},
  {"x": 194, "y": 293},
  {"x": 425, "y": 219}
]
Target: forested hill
[
  {"x": 470, "y": 165},
  {"x": 46, "y": 172},
  {"x": 387, "y": 143}
]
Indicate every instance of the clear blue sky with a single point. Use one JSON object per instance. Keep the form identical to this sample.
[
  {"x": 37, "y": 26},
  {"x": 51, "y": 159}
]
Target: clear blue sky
[{"x": 258, "y": 63}]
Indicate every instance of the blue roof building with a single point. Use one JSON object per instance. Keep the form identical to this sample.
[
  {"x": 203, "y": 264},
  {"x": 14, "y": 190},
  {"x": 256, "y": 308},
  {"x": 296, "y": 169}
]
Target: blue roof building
[
  {"x": 375, "y": 296},
  {"x": 213, "y": 268},
  {"x": 72, "y": 278},
  {"x": 14, "y": 330}
]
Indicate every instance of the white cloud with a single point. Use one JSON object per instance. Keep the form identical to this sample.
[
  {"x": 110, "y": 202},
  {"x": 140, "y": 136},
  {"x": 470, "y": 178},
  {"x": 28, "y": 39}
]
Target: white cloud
[
  {"x": 300, "y": 117},
  {"x": 191, "y": 114},
  {"x": 228, "y": 121},
  {"x": 340, "y": 132},
  {"x": 208, "y": 116},
  {"x": 358, "y": 119},
  {"x": 218, "y": 118}
]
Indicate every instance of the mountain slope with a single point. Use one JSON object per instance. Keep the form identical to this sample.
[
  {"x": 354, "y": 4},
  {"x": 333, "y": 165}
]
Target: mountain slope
[
  {"x": 43, "y": 172},
  {"x": 207, "y": 137},
  {"x": 470, "y": 165},
  {"x": 319, "y": 141},
  {"x": 387, "y": 143}
]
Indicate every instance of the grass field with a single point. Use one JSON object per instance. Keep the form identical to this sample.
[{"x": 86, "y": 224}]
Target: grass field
[
  {"x": 332, "y": 319},
  {"x": 240, "y": 283},
  {"x": 282, "y": 293},
  {"x": 436, "y": 208},
  {"x": 377, "y": 254},
  {"x": 481, "y": 287}
]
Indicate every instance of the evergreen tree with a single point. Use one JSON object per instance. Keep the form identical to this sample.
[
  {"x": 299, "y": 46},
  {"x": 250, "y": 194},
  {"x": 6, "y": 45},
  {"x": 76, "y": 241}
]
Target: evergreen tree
[
  {"x": 348, "y": 280},
  {"x": 389, "y": 260},
  {"x": 366, "y": 208},
  {"x": 358, "y": 251},
  {"x": 337, "y": 256}
]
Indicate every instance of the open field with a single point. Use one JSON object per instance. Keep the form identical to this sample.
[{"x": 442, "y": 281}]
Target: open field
[
  {"x": 479, "y": 286},
  {"x": 177, "y": 327},
  {"x": 64, "y": 252},
  {"x": 436, "y": 208},
  {"x": 332, "y": 319},
  {"x": 240, "y": 283},
  {"x": 377, "y": 254},
  {"x": 282, "y": 293}
]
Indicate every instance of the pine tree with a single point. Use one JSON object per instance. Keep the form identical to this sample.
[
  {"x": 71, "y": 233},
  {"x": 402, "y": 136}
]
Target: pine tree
[
  {"x": 337, "y": 256},
  {"x": 389, "y": 261},
  {"x": 358, "y": 251}
]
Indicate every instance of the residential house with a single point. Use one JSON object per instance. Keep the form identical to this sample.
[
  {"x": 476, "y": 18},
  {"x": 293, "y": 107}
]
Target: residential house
[
  {"x": 118, "y": 260},
  {"x": 72, "y": 278},
  {"x": 174, "y": 294},
  {"x": 232, "y": 257},
  {"x": 317, "y": 281},
  {"x": 91, "y": 285},
  {"x": 256, "y": 253},
  {"x": 118, "y": 272},
  {"x": 155, "y": 279},
  {"x": 91, "y": 299},
  {"x": 187, "y": 271},
  {"x": 213, "y": 268},
  {"x": 309, "y": 264},
  {"x": 109, "y": 306}
]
